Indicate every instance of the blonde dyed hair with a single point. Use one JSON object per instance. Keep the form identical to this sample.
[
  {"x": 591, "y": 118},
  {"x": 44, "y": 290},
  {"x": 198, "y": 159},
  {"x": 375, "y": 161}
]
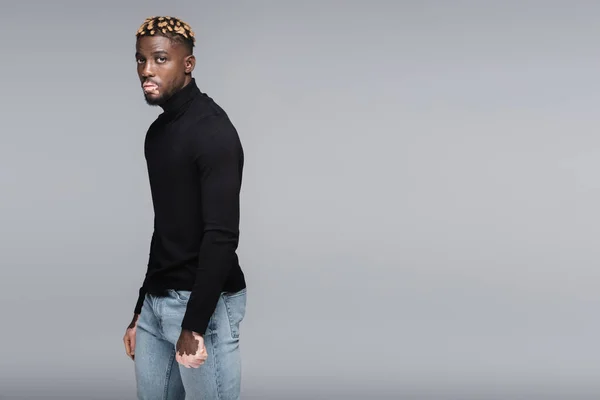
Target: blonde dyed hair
[{"x": 171, "y": 27}]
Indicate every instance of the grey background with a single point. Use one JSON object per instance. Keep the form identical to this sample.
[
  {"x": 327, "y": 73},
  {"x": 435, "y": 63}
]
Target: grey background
[{"x": 420, "y": 202}]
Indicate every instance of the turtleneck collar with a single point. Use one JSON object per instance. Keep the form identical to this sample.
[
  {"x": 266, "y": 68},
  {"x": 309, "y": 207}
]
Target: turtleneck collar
[{"x": 177, "y": 101}]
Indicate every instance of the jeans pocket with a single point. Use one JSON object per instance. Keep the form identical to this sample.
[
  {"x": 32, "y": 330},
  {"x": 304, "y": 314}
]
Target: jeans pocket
[
  {"x": 182, "y": 296},
  {"x": 235, "y": 307}
]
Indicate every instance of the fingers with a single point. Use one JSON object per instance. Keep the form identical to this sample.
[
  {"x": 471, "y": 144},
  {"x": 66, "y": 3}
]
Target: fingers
[
  {"x": 127, "y": 346},
  {"x": 132, "y": 346},
  {"x": 180, "y": 360},
  {"x": 192, "y": 365},
  {"x": 194, "y": 361},
  {"x": 129, "y": 341},
  {"x": 197, "y": 362}
]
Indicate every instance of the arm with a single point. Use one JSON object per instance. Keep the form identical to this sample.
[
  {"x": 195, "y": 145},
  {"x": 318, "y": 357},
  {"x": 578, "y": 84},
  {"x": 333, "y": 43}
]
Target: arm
[
  {"x": 129, "y": 338},
  {"x": 142, "y": 291},
  {"x": 219, "y": 169},
  {"x": 140, "y": 301}
]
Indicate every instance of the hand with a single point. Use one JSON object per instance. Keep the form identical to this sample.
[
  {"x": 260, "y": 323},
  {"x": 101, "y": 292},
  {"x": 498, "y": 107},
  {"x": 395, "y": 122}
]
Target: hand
[
  {"x": 129, "y": 338},
  {"x": 191, "y": 352}
]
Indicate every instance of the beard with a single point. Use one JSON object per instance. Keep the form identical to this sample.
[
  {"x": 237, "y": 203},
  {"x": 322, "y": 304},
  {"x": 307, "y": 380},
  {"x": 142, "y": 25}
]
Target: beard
[
  {"x": 155, "y": 100},
  {"x": 166, "y": 91}
]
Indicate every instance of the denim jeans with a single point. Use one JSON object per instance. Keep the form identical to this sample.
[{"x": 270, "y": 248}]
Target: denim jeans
[{"x": 160, "y": 377}]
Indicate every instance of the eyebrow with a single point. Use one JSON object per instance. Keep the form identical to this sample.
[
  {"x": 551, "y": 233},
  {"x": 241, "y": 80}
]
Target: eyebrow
[{"x": 155, "y": 52}]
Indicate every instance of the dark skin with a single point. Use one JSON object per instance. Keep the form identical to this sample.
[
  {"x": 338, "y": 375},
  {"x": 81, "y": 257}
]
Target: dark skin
[
  {"x": 133, "y": 321},
  {"x": 167, "y": 66},
  {"x": 165, "y": 63},
  {"x": 187, "y": 344}
]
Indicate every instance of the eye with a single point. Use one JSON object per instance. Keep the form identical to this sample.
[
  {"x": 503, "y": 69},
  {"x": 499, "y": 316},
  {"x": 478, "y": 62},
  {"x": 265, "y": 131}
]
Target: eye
[
  {"x": 139, "y": 60},
  {"x": 161, "y": 59}
]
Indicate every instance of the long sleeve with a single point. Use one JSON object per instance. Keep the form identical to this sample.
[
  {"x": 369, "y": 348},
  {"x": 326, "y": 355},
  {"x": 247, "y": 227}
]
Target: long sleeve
[
  {"x": 219, "y": 166},
  {"x": 140, "y": 301},
  {"x": 142, "y": 291}
]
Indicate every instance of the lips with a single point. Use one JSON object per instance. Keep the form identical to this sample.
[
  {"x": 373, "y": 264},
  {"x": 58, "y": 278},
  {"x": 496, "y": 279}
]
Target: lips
[{"x": 150, "y": 86}]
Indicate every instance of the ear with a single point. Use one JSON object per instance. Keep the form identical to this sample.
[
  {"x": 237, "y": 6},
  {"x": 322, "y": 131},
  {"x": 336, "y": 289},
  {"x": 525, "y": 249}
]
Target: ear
[{"x": 190, "y": 63}]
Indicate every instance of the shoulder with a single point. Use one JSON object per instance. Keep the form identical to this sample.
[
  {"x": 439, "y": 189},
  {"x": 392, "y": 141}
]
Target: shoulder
[{"x": 210, "y": 128}]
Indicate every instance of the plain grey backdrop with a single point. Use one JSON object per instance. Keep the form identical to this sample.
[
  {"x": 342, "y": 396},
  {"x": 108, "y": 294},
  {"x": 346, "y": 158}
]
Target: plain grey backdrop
[{"x": 420, "y": 207}]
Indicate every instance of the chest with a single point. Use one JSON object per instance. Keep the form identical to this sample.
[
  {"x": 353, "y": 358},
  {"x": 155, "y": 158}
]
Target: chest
[{"x": 169, "y": 155}]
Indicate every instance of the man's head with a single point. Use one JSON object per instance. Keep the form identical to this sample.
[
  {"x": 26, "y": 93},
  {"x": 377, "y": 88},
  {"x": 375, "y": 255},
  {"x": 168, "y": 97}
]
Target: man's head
[{"x": 164, "y": 57}]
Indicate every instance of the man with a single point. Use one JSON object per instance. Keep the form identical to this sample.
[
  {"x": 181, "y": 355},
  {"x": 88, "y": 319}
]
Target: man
[{"x": 184, "y": 335}]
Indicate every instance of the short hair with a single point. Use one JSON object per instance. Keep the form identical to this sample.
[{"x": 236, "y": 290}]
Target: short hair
[{"x": 170, "y": 27}]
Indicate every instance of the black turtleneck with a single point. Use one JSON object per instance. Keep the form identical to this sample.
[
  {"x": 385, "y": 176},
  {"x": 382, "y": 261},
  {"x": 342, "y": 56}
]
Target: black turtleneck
[{"x": 195, "y": 160}]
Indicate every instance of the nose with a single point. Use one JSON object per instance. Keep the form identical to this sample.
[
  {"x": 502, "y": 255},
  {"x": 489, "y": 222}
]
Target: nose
[{"x": 147, "y": 70}]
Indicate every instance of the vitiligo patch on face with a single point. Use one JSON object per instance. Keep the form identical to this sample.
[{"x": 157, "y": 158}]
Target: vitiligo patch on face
[{"x": 165, "y": 24}]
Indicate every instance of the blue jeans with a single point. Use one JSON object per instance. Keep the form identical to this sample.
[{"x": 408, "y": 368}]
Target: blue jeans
[{"x": 160, "y": 377}]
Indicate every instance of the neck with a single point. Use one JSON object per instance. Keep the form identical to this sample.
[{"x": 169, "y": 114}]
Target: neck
[{"x": 182, "y": 97}]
